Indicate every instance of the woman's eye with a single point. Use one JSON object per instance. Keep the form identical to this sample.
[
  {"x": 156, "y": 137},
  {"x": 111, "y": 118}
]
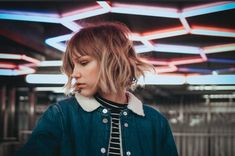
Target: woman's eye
[{"x": 84, "y": 63}]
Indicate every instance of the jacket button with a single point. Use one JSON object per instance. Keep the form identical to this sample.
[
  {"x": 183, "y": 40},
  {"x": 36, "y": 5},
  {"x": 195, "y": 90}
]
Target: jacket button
[
  {"x": 102, "y": 150},
  {"x": 125, "y": 124},
  {"x": 105, "y": 120},
  {"x": 125, "y": 113},
  {"x": 128, "y": 153},
  {"x": 105, "y": 111}
]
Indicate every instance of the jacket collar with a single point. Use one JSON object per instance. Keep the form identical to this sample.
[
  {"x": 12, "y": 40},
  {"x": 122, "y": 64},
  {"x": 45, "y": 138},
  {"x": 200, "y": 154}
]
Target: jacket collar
[{"x": 90, "y": 104}]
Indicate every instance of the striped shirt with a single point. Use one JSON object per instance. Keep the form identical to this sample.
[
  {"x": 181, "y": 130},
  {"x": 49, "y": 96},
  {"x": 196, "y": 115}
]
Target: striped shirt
[{"x": 115, "y": 109}]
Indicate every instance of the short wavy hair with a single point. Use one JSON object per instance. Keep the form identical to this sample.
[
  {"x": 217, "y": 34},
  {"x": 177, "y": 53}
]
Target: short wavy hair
[{"x": 109, "y": 43}]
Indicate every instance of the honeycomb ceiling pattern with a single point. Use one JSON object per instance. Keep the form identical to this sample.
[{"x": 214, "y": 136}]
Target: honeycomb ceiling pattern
[{"x": 179, "y": 38}]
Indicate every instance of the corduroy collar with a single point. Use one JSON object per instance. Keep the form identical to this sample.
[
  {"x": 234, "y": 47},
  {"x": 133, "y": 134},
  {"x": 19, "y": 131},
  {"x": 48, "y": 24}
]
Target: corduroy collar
[{"x": 90, "y": 104}]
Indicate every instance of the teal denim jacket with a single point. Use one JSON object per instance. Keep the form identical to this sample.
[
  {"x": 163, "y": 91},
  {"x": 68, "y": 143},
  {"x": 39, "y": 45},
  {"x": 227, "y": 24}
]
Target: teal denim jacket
[{"x": 75, "y": 127}]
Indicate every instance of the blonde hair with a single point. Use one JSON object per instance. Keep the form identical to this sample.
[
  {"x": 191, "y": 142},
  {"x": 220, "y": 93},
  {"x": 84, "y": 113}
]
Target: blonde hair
[{"x": 109, "y": 44}]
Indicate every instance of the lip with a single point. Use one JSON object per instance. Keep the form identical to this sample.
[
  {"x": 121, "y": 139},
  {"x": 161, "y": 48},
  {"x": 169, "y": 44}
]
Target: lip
[{"x": 80, "y": 84}]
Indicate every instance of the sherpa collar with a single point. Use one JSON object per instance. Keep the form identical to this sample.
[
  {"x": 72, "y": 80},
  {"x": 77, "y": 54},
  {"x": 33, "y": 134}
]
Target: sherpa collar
[{"x": 90, "y": 104}]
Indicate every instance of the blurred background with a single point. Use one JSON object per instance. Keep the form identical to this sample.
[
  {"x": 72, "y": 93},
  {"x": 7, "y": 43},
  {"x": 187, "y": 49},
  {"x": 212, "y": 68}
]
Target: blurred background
[{"x": 191, "y": 44}]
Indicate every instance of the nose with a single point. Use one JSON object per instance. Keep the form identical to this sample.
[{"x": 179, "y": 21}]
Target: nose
[{"x": 76, "y": 73}]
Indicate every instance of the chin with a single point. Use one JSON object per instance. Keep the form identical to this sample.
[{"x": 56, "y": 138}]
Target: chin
[{"x": 87, "y": 93}]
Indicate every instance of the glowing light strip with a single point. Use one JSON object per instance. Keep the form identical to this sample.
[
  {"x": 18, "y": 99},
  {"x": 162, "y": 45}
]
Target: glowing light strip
[
  {"x": 187, "y": 60},
  {"x": 164, "y": 33},
  {"x": 10, "y": 56},
  {"x": 104, "y": 4},
  {"x": 24, "y": 70},
  {"x": 46, "y": 79},
  {"x": 81, "y": 15},
  {"x": 220, "y": 96},
  {"x": 72, "y": 26},
  {"x": 18, "y": 57},
  {"x": 170, "y": 68},
  {"x": 219, "y": 48},
  {"x": 211, "y": 79},
  {"x": 14, "y": 72},
  {"x": 54, "y": 42},
  {"x": 212, "y": 33},
  {"x": 144, "y": 10},
  {"x": 177, "y": 49},
  {"x": 211, "y": 87},
  {"x": 135, "y": 37},
  {"x": 153, "y": 79},
  {"x": 221, "y": 60},
  {"x": 29, "y": 16},
  {"x": 53, "y": 63},
  {"x": 7, "y": 72},
  {"x": 142, "y": 49},
  {"x": 155, "y": 61},
  {"x": 8, "y": 65},
  {"x": 53, "y": 89},
  {"x": 185, "y": 24},
  {"x": 29, "y": 59},
  {"x": 194, "y": 70},
  {"x": 208, "y": 8},
  {"x": 148, "y": 44}
]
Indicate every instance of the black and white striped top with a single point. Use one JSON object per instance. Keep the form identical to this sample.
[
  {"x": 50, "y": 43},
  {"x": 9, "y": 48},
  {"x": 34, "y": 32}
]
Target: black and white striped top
[{"x": 115, "y": 138}]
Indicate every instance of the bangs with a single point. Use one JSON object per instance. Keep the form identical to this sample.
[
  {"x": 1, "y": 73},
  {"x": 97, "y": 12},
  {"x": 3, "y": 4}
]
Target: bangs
[{"x": 82, "y": 44}]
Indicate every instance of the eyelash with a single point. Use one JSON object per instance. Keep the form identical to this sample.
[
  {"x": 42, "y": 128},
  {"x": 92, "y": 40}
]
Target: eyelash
[{"x": 84, "y": 63}]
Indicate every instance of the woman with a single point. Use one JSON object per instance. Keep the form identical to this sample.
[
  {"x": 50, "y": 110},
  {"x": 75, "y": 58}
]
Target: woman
[{"x": 101, "y": 118}]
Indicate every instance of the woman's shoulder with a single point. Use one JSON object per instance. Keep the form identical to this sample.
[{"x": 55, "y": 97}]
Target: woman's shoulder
[
  {"x": 152, "y": 112},
  {"x": 64, "y": 105}
]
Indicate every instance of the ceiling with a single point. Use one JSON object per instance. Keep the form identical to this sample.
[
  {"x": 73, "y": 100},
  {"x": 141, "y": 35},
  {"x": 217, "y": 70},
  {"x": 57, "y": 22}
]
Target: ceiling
[{"x": 180, "y": 38}]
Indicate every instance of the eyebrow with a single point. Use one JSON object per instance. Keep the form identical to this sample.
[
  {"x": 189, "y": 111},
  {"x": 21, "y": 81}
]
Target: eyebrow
[{"x": 81, "y": 57}]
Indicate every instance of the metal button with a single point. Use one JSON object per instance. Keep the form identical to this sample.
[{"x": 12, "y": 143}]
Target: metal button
[
  {"x": 102, "y": 150},
  {"x": 128, "y": 153},
  {"x": 105, "y": 120},
  {"x": 125, "y": 113},
  {"x": 126, "y": 124},
  {"x": 105, "y": 111}
]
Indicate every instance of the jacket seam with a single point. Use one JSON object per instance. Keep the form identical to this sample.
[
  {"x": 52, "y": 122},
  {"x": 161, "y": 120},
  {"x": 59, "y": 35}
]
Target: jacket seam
[{"x": 61, "y": 118}]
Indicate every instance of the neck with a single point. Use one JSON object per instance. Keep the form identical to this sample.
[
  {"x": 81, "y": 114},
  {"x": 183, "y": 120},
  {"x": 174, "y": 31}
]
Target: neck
[{"x": 118, "y": 98}]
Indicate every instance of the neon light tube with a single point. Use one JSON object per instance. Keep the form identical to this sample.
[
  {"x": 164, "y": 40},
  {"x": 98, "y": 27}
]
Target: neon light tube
[
  {"x": 54, "y": 41},
  {"x": 46, "y": 79},
  {"x": 153, "y": 79},
  {"x": 177, "y": 49},
  {"x": 10, "y": 56},
  {"x": 144, "y": 10},
  {"x": 212, "y": 33},
  {"x": 164, "y": 33},
  {"x": 81, "y": 14},
  {"x": 211, "y": 79},
  {"x": 53, "y": 63},
  {"x": 8, "y": 65},
  {"x": 53, "y": 89},
  {"x": 10, "y": 72},
  {"x": 142, "y": 49},
  {"x": 219, "y": 48},
  {"x": 190, "y": 60},
  {"x": 18, "y": 57},
  {"x": 208, "y": 8},
  {"x": 29, "y": 16},
  {"x": 72, "y": 26},
  {"x": 170, "y": 68},
  {"x": 185, "y": 24},
  {"x": 211, "y": 87},
  {"x": 104, "y": 4},
  {"x": 221, "y": 60},
  {"x": 194, "y": 70}
]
